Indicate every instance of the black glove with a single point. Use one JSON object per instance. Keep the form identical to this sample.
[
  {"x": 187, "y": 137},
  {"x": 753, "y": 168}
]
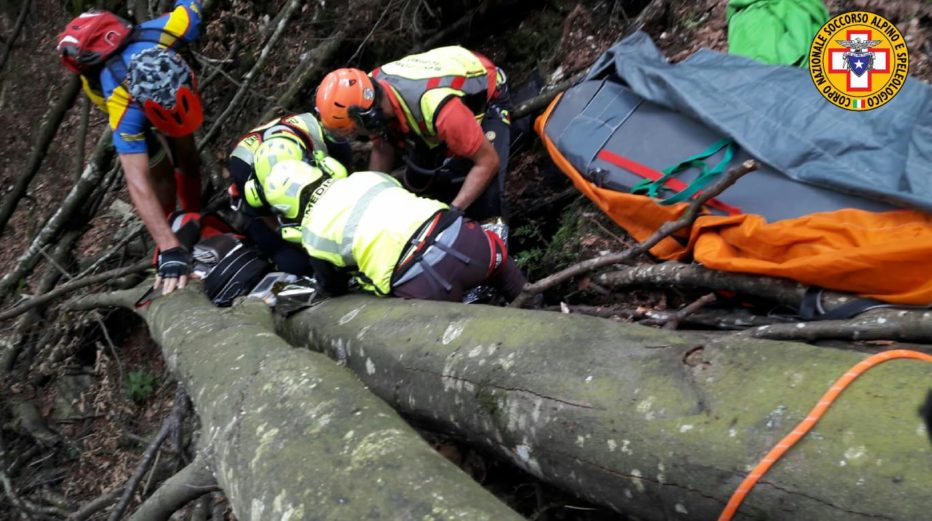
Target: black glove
[{"x": 174, "y": 262}]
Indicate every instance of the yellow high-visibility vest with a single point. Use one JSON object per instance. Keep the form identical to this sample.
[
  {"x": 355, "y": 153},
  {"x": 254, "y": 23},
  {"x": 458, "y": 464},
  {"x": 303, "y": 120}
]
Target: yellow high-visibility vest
[
  {"x": 422, "y": 83},
  {"x": 364, "y": 221},
  {"x": 304, "y": 126}
]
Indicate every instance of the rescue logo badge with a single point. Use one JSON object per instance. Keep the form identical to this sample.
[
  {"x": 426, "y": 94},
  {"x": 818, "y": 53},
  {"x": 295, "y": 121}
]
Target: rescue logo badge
[{"x": 858, "y": 60}]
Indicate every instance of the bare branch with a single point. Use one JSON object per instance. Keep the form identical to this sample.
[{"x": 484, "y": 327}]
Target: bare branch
[
  {"x": 175, "y": 416},
  {"x": 190, "y": 483},
  {"x": 86, "y": 185},
  {"x": 309, "y": 66},
  {"x": 902, "y": 325},
  {"x": 76, "y": 284},
  {"x": 50, "y": 123},
  {"x": 668, "y": 228},
  {"x": 689, "y": 309},
  {"x": 287, "y": 12},
  {"x": 20, "y": 21}
]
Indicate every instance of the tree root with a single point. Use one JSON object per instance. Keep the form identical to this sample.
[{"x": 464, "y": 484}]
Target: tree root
[
  {"x": 192, "y": 482},
  {"x": 668, "y": 228}
]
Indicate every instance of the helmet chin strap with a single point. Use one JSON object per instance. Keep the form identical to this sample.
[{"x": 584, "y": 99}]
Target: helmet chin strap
[{"x": 373, "y": 119}]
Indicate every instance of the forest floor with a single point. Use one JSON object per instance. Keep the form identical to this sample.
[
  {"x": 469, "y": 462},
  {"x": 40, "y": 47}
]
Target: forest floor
[{"x": 96, "y": 379}]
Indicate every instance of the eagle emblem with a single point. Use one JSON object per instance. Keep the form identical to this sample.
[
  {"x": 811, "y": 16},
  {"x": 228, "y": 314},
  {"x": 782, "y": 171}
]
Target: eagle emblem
[{"x": 858, "y": 60}]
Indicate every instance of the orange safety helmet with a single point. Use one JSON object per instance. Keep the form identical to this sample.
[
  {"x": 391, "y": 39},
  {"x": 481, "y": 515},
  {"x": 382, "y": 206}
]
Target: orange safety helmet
[{"x": 340, "y": 91}]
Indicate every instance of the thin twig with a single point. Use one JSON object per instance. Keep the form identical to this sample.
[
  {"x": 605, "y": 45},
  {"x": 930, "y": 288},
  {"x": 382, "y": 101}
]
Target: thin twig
[
  {"x": 687, "y": 310},
  {"x": 177, "y": 412},
  {"x": 51, "y": 260},
  {"x": 76, "y": 284},
  {"x": 137, "y": 228},
  {"x": 112, "y": 347},
  {"x": 20, "y": 21},
  {"x": 290, "y": 8},
  {"x": 92, "y": 507},
  {"x": 11, "y": 495},
  {"x": 455, "y": 27},
  {"x": 309, "y": 66},
  {"x": 601, "y": 226},
  {"x": 667, "y": 229},
  {"x": 371, "y": 32}
]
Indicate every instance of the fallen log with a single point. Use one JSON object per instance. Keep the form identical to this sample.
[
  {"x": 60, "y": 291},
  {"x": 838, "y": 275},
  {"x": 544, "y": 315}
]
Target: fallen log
[
  {"x": 655, "y": 424},
  {"x": 291, "y": 435}
]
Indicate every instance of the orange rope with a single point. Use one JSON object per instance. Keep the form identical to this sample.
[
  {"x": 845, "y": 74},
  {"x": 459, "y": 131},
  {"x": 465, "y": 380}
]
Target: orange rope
[{"x": 809, "y": 422}]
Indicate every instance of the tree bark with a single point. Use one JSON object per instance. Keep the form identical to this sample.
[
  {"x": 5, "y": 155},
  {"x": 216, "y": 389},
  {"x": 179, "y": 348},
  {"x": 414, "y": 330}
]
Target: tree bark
[
  {"x": 655, "y": 424},
  {"x": 291, "y": 435}
]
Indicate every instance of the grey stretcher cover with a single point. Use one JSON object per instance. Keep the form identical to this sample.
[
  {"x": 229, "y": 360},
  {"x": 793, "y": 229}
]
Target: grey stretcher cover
[{"x": 816, "y": 157}]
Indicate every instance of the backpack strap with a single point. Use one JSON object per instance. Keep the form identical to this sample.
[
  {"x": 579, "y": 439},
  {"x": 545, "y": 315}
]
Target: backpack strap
[
  {"x": 117, "y": 66},
  {"x": 706, "y": 175},
  {"x": 600, "y": 179}
]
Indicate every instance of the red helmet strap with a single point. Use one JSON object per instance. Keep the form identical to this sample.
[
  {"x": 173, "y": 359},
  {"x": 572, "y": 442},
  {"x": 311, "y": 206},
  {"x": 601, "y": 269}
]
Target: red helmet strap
[{"x": 182, "y": 120}]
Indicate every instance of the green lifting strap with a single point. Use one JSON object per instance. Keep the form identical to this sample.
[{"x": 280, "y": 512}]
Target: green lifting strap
[{"x": 652, "y": 188}]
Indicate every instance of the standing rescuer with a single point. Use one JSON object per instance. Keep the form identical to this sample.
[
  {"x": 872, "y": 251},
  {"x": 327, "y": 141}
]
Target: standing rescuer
[
  {"x": 150, "y": 95},
  {"x": 393, "y": 241},
  {"x": 446, "y": 111}
]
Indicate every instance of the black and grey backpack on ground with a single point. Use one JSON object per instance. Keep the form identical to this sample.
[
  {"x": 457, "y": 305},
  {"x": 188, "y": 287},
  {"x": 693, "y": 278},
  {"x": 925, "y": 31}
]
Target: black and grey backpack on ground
[{"x": 234, "y": 273}]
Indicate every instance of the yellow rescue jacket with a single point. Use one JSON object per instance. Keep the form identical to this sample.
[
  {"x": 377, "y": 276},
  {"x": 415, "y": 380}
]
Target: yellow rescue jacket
[
  {"x": 423, "y": 83},
  {"x": 364, "y": 221}
]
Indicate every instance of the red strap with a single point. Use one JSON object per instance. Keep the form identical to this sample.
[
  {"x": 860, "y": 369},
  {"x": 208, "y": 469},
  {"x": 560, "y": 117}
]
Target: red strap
[{"x": 649, "y": 173}]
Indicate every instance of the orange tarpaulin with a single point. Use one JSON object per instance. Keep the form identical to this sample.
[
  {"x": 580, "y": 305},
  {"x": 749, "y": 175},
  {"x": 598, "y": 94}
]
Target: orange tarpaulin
[{"x": 884, "y": 255}]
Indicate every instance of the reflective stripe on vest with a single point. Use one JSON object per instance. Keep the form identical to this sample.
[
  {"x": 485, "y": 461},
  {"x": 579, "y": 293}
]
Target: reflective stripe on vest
[
  {"x": 305, "y": 126},
  {"x": 344, "y": 250},
  {"x": 365, "y": 221},
  {"x": 423, "y": 82}
]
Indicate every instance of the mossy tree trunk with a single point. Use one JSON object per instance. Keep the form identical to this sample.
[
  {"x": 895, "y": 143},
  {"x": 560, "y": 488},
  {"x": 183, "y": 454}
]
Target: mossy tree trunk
[
  {"x": 291, "y": 435},
  {"x": 658, "y": 424}
]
